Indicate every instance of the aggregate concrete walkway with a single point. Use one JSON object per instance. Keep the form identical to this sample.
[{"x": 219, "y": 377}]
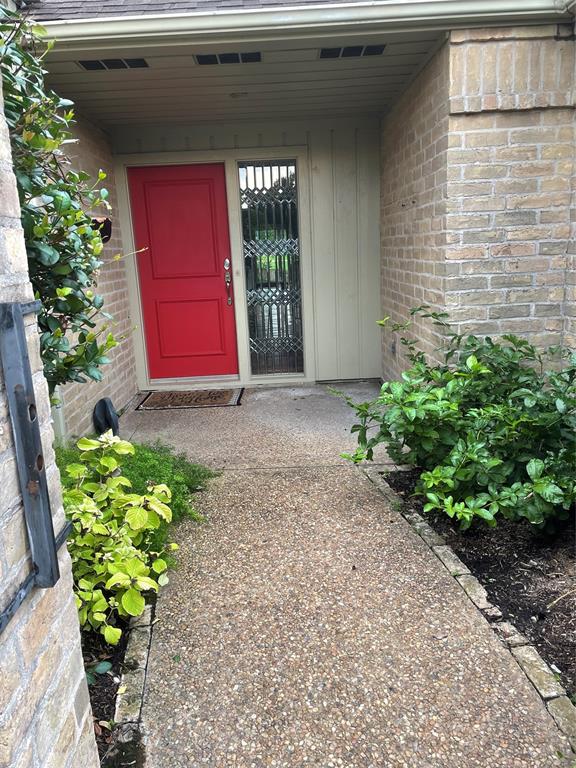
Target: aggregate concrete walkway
[{"x": 308, "y": 625}]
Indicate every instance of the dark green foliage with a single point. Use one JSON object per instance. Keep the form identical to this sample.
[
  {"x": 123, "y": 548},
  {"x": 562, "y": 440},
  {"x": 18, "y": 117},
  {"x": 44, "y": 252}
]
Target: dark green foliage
[
  {"x": 162, "y": 464},
  {"x": 63, "y": 246},
  {"x": 493, "y": 428},
  {"x": 94, "y": 670}
]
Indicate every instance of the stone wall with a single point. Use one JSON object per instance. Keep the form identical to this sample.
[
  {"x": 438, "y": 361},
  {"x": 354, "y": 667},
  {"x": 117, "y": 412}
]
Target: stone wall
[
  {"x": 502, "y": 229},
  {"x": 413, "y": 191},
  {"x": 92, "y": 153},
  {"x": 45, "y": 717}
]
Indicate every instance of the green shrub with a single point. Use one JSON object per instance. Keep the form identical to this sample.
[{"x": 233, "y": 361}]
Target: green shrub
[
  {"x": 63, "y": 244},
  {"x": 114, "y": 551},
  {"x": 493, "y": 428}
]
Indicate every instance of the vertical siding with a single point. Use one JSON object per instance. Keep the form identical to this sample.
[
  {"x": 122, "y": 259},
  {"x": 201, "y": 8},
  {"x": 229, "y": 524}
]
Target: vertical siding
[
  {"x": 324, "y": 252},
  {"x": 346, "y": 252},
  {"x": 344, "y": 191},
  {"x": 368, "y": 211}
]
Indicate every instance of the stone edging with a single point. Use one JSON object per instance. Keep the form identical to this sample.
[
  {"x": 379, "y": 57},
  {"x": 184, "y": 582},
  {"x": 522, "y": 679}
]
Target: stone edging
[
  {"x": 526, "y": 655},
  {"x": 128, "y": 710}
]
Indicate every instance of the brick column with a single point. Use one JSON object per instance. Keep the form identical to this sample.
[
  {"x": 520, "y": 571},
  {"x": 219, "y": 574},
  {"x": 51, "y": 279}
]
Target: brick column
[
  {"x": 413, "y": 206},
  {"x": 45, "y": 716},
  {"x": 478, "y": 187},
  {"x": 510, "y": 169}
]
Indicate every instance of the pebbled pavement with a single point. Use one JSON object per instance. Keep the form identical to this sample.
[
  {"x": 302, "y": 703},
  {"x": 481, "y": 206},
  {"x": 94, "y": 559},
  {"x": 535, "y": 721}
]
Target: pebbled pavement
[{"x": 308, "y": 625}]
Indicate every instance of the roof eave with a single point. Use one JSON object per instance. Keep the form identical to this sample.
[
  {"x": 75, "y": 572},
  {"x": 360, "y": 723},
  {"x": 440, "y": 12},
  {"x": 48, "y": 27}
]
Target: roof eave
[{"x": 296, "y": 21}]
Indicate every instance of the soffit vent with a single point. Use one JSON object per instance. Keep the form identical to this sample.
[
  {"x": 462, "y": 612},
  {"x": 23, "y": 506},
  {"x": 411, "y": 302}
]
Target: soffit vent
[
  {"x": 97, "y": 65},
  {"x": 228, "y": 58},
  {"x": 352, "y": 51}
]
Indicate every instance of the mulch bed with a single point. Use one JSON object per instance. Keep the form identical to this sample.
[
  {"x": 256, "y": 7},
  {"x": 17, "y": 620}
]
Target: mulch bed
[
  {"x": 529, "y": 575},
  {"x": 103, "y": 690}
]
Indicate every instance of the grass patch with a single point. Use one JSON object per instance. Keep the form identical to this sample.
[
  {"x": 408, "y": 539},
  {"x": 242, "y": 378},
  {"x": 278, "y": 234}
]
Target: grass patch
[{"x": 153, "y": 464}]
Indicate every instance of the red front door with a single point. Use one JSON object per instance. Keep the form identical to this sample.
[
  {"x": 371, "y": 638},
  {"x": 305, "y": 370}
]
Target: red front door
[{"x": 180, "y": 219}]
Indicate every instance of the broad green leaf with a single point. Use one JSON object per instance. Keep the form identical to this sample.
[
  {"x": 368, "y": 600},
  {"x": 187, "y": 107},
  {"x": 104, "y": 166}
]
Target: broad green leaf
[
  {"x": 109, "y": 464},
  {"x": 86, "y": 444},
  {"x": 534, "y": 468},
  {"x": 396, "y": 388},
  {"x": 410, "y": 413},
  {"x": 102, "y": 667},
  {"x": 123, "y": 447},
  {"x": 133, "y": 602},
  {"x": 160, "y": 508},
  {"x": 145, "y": 582},
  {"x": 112, "y": 635},
  {"x": 135, "y": 567},
  {"x": 137, "y": 518},
  {"x": 549, "y": 491},
  {"x": 118, "y": 579},
  {"x": 159, "y": 565},
  {"x": 471, "y": 362},
  {"x": 100, "y": 528},
  {"x": 47, "y": 255},
  {"x": 76, "y": 470}
]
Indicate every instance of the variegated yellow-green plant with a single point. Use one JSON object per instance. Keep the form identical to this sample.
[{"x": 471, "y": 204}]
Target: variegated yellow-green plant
[{"x": 114, "y": 563}]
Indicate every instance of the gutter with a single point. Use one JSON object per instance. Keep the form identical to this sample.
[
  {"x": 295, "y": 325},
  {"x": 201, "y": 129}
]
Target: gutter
[{"x": 300, "y": 21}]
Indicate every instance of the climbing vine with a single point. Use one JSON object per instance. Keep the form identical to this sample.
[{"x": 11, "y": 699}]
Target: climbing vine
[{"x": 62, "y": 242}]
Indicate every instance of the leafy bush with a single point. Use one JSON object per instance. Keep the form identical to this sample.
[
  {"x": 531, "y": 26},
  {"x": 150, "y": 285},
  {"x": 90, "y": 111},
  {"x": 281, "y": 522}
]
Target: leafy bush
[
  {"x": 115, "y": 557},
  {"x": 493, "y": 428},
  {"x": 62, "y": 244}
]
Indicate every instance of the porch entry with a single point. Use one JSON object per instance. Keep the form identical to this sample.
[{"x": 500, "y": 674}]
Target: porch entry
[
  {"x": 181, "y": 229},
  {"x": 180, "y": 218}
]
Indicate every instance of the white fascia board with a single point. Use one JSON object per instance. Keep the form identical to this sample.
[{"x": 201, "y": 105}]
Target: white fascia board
[{"x": 297, "y": 21}]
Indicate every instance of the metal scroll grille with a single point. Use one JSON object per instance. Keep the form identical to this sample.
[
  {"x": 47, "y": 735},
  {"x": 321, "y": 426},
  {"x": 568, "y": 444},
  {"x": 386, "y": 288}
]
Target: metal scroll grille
[{"x": 269, "y": 203}]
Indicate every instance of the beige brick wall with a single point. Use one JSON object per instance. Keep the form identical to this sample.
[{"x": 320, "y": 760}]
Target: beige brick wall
[
  {"x": 92, "y": 153},
  {"x": 511, "y": 166},
  {"x": 45, "y": 717},
  {"x": 511, "y": 68},
  {"x": 497, "y": 248},
  {"x": 570, "y": 298},
  {"x": 508, "y": 226},
  {"x": 413, "y": 191}
]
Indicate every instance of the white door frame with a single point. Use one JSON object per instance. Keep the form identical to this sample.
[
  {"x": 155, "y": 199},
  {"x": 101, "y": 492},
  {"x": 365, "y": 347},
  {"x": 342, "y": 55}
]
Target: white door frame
[{"x": 230, "y": 159}]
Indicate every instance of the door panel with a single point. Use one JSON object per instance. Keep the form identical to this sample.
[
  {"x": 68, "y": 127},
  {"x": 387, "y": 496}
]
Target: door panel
[{"x": 180, "y": 219}]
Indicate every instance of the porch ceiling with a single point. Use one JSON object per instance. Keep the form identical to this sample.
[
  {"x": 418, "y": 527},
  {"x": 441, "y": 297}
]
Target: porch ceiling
[{"x": 291, "y": 81}]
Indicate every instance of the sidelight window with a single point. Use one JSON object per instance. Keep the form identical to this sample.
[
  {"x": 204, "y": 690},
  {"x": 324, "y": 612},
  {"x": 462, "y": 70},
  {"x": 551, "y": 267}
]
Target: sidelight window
[{"x": 271, "y": 245}]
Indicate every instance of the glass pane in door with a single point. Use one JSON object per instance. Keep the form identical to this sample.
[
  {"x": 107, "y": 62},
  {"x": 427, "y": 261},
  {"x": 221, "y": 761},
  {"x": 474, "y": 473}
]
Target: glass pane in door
[{"x": 269, "y": 203}]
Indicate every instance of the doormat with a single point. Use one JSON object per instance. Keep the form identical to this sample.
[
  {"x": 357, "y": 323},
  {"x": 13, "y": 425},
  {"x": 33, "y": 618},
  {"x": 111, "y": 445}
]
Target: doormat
[{"x": 199, "y": 398}]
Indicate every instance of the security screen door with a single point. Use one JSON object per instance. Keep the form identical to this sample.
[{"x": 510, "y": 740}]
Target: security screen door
[{"x": 271, "y": 244}]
